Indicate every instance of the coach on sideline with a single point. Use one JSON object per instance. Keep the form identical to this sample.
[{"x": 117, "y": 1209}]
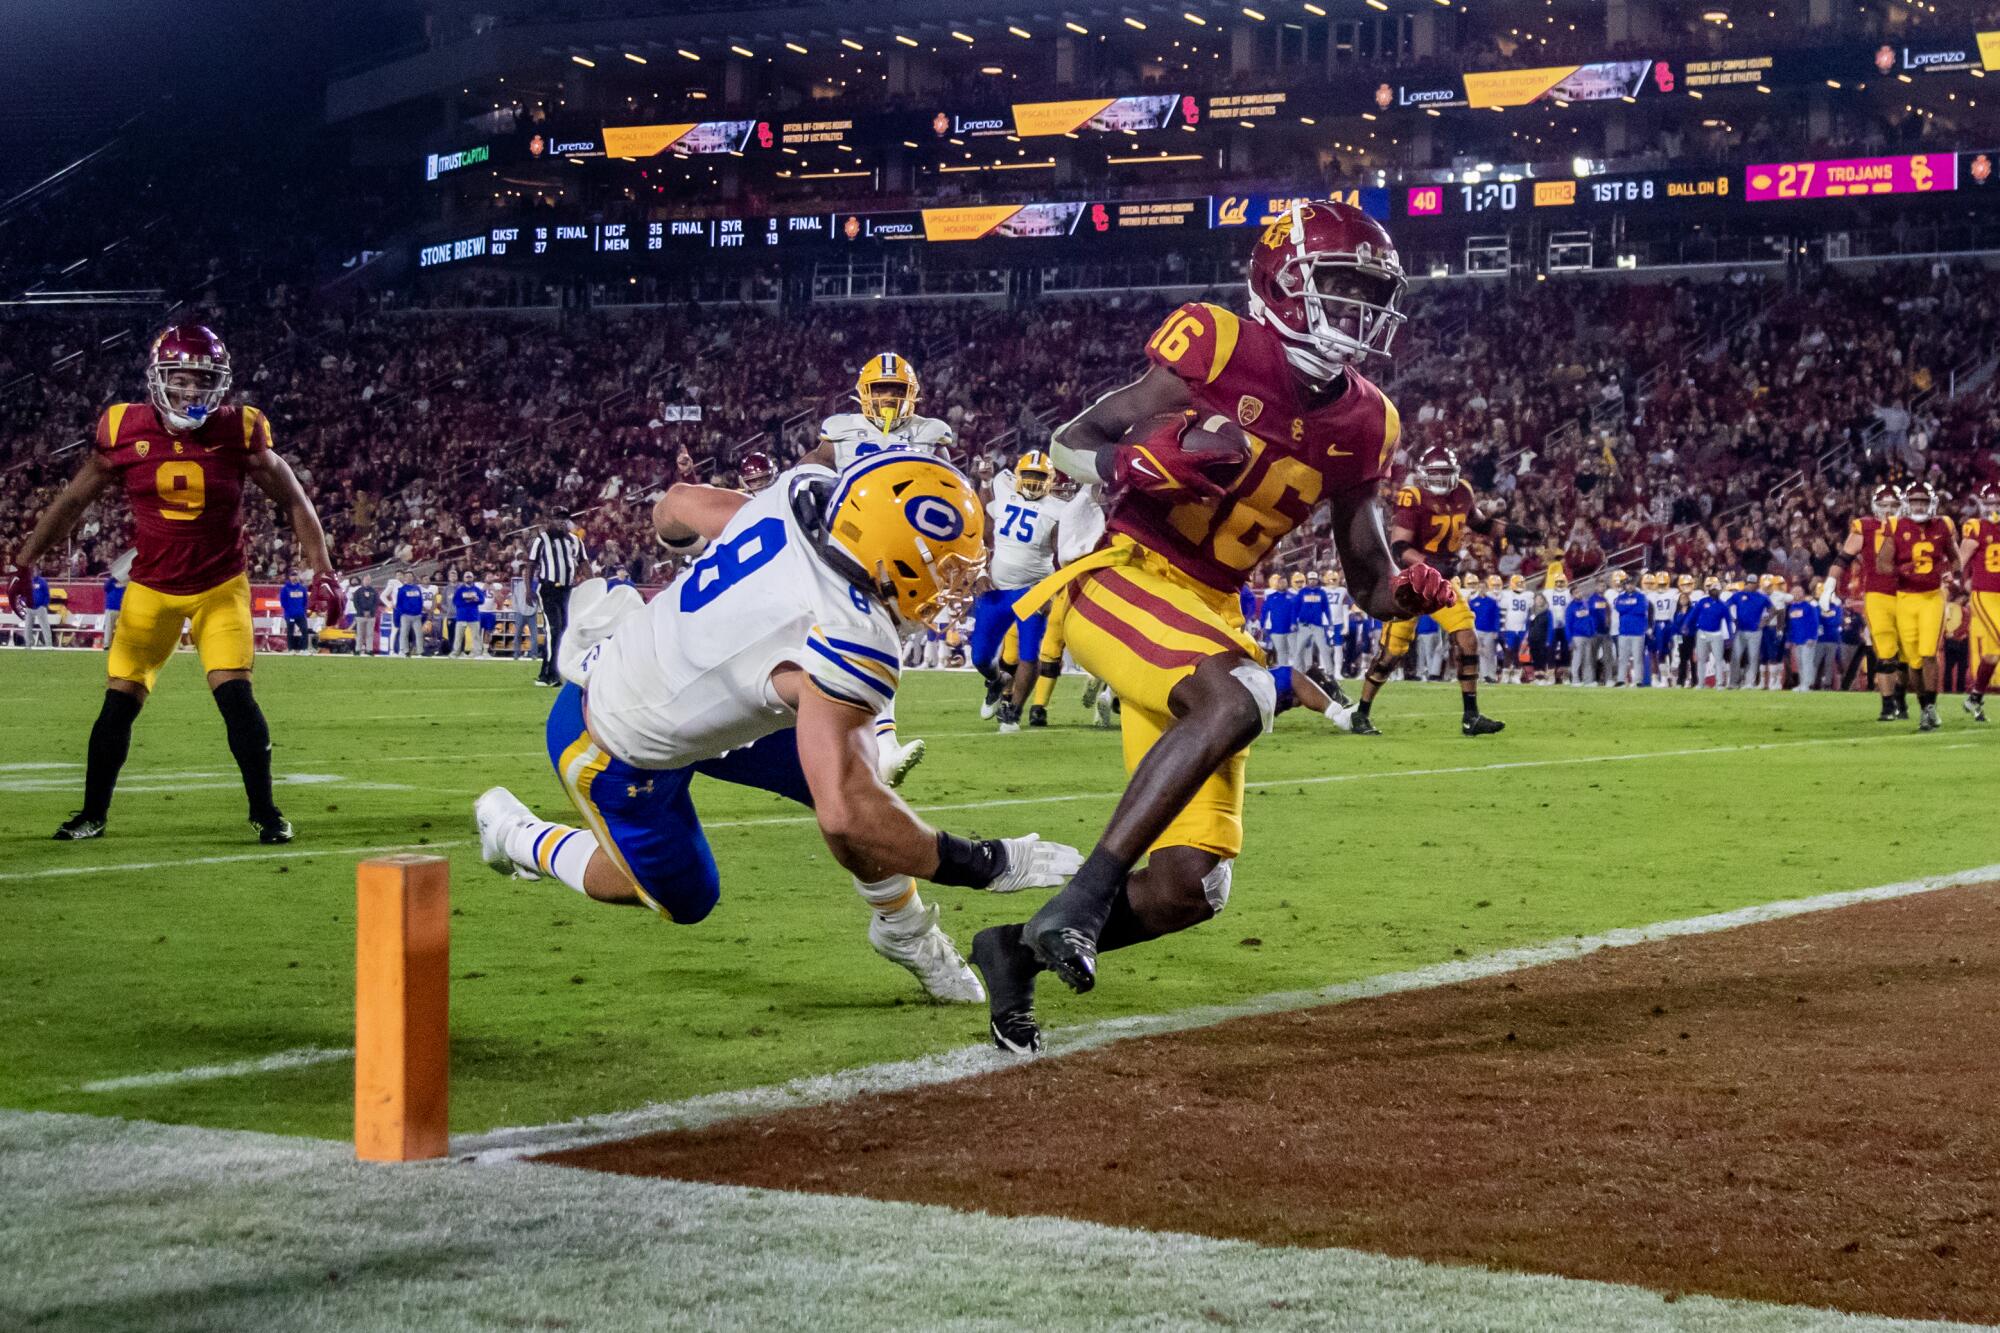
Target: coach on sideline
[{"x": 559, "y": 561}]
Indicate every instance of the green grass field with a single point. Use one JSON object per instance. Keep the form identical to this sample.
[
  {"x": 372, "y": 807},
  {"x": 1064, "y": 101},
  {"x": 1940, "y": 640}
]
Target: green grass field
[{"x": 176, "y": 941}]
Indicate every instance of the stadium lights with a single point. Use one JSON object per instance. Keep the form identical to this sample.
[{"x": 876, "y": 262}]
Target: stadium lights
[
  {"x": 1580, "y": 167},
  {"x": 1312, "y": 8},
  {"x": 1368, "y": 115},
  {"x": 1194, "y": 18},
  {"x": 585, "y": 61},
  {"x": 1162, "y": 156},
  {"x": 685, "y": 54},
  {"x": 1307, "y": 120},
  {"x": 963, "y": 37},
  {"x": 1022, "y": 33},
  {"x": 851, "y": 44},
  {"x": 1833, "y": 83},
  {"x": 1250, "y": 13},
  {"x": 794, "y": 46},
  {"x": 1076, "y": 28},
  {"x": 906, "y": 39},
  {"x": 635, "y": 59},
  {"x": 1382, "y": 5},
  {"x": 991, "y": 69},
  {"x": 1131, "y": 22},
  {"x": 745, "y": 52}
]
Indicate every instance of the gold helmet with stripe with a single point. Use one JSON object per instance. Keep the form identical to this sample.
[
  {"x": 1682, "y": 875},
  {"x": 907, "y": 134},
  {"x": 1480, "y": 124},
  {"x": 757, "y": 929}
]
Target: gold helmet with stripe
[
  {"x": 1298, "y": 580},
  {"x": 1494, "y": 583},
  {"x": 1517, "y": 583},
  {"x": 1648, "y": 580},
  {"x": 912, "y": 528},
  {"x": 887, "y": 390},
  {"x": 1034, "y": 473},
  {"x": 1686, "y": 582}
]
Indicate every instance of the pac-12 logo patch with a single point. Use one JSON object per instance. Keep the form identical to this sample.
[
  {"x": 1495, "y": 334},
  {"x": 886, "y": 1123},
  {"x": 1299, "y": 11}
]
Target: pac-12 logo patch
[
  {"x": 935, "y": 517},
  {"x": 142, "y": 448},
  {"x": 1248, "y": 409}
]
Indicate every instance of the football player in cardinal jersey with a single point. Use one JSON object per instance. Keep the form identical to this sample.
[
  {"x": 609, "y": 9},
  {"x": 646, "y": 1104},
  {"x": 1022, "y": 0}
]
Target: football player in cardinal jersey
[
  {"x": 1236, "y": 433},
  {"x": 763, "y": 664},
  {"x": 1920, "y": 548},
  {"x": 1979, "y": 557},
  {"x": 887, "y": 393},
  {"x": 1433, "y": 510},
  {"x": 1876, "y": 592},
  {"x": 182, "y": 457}
]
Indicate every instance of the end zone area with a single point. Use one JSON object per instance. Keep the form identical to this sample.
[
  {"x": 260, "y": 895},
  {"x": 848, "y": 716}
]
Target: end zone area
[{"x": 1797, "y": 1111}]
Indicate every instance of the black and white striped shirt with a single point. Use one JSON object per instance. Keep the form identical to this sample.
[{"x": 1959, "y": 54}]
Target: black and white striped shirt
[{"x": 556, "y": 558}]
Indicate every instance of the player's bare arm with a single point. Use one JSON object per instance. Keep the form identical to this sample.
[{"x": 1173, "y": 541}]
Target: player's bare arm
[
  {"x": 1374, "y": 580},
  {"x": 820, "y": 455},
  {"x": 66, "y": 509},
  {"x": 1082, "y": 446},
  {"x": 1885, "y": 554},
  {"x": 274, "y": 477},
  {"x": 689, "y": 513},
  {"x": 872, "y": 832}
]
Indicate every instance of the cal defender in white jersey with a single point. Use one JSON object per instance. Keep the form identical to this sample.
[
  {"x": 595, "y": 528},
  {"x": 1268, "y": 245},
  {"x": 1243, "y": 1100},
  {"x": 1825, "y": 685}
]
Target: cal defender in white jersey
[
  {"x": 1024, "y": 520},
  {"x": 763, "y": 664},
  {"x": 886, "y": 390},
  {"x": 1662, "y": 605},
  {"x": 1517, "y": 608}
]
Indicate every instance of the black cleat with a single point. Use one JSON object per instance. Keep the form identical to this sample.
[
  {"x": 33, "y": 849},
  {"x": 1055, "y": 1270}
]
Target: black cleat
[
  {"x": 1480, "y": 725},
  {"x": 1329, "y": 682},
  {"x": 1903, "y": 713},
  {"x": 1009, "y": 969},
  {"x": 272, "y": 829},
  {"x": 1363, "y": 727},
  {"x": 1929, "y": 719},
  {"x": 1976, "y": 707},
  {"x": 1038, "y": 716},
  {"x": 991, "y": 705},
  {"x": 79, "y": 827},
  {"x": 1887, "y": 715},
  {"x": 1061, "y": 943},
  {"x": 1010, "y": 717}
]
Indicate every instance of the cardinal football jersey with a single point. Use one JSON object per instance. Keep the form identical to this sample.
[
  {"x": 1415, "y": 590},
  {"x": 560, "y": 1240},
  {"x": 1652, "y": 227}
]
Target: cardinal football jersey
[
  {"x": 855, "y": 436},
  {"x": 1437, "y": 520},
  {"x": 1982, "y": 572},
  {"x": 1299, "y": 453},
  {"x": 186, "y": 491},
  {"x": 1920, "y": 545},
  {"x": 1871, "y": 531},
  {"x": 690, "y": 676}
]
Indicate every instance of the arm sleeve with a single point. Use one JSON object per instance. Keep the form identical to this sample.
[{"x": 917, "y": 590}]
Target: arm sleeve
[{"x": 852, "y": 667}]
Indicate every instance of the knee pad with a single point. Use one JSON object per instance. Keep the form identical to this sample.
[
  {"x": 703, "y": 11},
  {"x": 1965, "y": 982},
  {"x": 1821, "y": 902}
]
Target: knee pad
[
  {"x": 1263, "y": 690},
  {"x": 1215, "y": 885}
]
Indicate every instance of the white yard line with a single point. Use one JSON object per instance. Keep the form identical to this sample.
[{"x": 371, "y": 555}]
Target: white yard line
[
  {"x": 287, "y": 854},
  {"x": 949, "y": 1066},
  {"x": 268, "y": 1064},
  {"x": 177, "y": 782},
  {"x": 1325, "y": 778}
]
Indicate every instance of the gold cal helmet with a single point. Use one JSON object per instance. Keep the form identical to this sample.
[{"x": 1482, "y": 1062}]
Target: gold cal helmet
[
  {"x": 1493, "y": 583},
  {"x": 1298, "y": 580},
  {"x": 1034, "y": 474},
  {"x": 914, "y": 529},
  {"x": 887, "y": 390}
]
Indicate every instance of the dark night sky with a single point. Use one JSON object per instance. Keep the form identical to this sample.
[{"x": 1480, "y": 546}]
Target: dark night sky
[{"x": 71, "y": 70}]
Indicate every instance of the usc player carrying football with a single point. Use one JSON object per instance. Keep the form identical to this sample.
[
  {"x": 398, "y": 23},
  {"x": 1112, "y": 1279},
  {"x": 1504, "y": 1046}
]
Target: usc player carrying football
[
  {"x": 182, "y": 457},
  {"x": 1236, "y": 433}
]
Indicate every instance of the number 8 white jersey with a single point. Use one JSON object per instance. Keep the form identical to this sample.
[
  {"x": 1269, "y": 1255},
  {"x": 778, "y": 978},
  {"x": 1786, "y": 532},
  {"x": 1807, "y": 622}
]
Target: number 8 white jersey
[
  {"x": 690, "y": 677},
  {"x": 855, "y": 436},
  {"x": 1024, "y": 535}
]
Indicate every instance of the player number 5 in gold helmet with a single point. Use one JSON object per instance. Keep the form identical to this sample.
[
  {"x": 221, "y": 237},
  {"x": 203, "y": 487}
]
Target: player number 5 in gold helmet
[
  {"x": 913, "y": 531},
  {"x": 1034, "y": 474},
  {"x": 887, "y": 390}
]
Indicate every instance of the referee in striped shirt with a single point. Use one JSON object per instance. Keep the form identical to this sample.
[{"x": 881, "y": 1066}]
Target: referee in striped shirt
[{"x": 559, "y": 561}]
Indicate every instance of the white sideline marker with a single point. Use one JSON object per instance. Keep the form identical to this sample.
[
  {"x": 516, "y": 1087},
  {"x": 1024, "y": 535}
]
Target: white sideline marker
[
  {"x": 299, "y": 1058},
  {"x": 502, "y": 1145},
  {"x": 289, "y": 854}
]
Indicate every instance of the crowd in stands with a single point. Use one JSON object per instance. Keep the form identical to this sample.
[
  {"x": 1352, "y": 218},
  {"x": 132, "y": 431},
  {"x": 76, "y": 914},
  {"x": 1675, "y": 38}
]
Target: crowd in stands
[{"x": 1728, "y": 425}]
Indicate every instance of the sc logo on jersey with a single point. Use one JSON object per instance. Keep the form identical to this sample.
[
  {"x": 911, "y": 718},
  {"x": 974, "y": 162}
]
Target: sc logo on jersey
[{"x": 935, "y": 518}]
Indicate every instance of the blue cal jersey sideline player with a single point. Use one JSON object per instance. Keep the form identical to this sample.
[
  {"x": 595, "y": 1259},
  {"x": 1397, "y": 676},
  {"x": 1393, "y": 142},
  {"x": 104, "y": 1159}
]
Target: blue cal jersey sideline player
[
  {"x": 1022, "y": 517},
  {"x": 887, "y": 392},
  {"x": 763, "y": 665}
]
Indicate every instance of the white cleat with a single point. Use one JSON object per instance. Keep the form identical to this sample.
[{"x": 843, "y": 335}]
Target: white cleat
[
  {"x": 1102, "y": 706},
  {"x": 896, "y": 762},
  {"x": 1342, "y": 716},
  {"x": 496, "y": 813},
  {"x": 931, "y": 958}
]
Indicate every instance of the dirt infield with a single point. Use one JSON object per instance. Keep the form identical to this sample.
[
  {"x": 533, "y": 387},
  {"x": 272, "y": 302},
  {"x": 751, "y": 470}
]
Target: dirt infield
[{"x": 1804, "y": 1111}]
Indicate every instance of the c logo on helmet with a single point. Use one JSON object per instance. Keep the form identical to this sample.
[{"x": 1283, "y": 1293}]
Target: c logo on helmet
[{"x": 935, "y": 518}]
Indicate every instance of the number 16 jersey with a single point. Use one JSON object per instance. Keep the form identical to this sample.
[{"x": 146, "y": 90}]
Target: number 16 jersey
[
  {"x": 1299, "y": 454},
  {"x": 689, "y": 677}
]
